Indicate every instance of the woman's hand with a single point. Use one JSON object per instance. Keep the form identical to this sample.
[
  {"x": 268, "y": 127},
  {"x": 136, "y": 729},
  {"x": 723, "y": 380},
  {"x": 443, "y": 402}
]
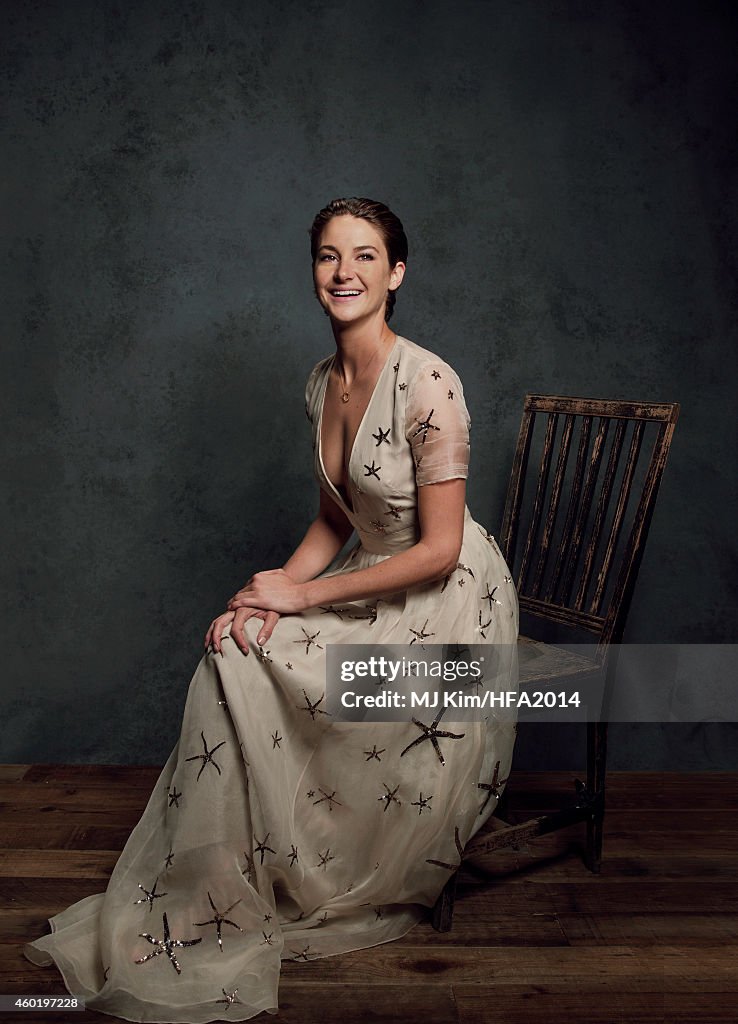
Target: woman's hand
[
  {"x": 238, "y": 620},
  {"x": 273, "y": 590}
]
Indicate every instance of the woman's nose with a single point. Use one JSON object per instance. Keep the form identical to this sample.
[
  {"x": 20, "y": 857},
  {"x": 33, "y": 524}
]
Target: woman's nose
[{"x": 342, "y": 272}]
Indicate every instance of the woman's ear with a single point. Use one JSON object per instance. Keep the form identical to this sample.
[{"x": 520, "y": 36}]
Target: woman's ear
[{"x": 396, "y": 275}]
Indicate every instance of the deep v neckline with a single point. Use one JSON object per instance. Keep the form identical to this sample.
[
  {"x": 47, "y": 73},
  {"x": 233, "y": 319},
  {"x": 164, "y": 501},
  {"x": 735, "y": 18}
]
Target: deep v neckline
[{"x": 321, "y": 406}]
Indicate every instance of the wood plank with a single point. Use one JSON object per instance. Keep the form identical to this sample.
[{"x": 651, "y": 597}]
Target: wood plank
[
  {"x": 52, "y": 863},
  {"x": 649, "y": 929}
]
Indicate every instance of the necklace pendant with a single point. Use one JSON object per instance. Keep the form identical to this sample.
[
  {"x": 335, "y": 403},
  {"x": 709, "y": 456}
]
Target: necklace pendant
[{"x": 345, "y": 397}]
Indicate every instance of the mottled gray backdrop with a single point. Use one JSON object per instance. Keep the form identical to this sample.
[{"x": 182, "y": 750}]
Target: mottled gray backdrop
[{"x": 566, "y": 175}]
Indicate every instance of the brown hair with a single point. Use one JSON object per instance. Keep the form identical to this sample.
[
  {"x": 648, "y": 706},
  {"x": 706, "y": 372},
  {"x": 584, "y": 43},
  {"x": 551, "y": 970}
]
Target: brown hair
[{"x": 380, "y": 216}]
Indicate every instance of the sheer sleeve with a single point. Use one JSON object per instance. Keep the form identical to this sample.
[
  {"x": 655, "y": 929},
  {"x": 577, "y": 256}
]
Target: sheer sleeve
[
  {"x": 311, "y": 390},
  {"x": 437, "y": 424}
]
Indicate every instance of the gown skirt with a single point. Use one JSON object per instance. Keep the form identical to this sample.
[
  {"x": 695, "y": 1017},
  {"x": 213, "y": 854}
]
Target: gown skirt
[{"x": 275, "y": 830}]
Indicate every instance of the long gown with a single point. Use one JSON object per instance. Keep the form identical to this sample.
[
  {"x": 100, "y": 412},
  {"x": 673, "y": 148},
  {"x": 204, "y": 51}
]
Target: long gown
[{"x": 276, "y": 831}]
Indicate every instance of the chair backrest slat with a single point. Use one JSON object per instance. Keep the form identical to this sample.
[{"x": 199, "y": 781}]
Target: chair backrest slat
[{"x": 592, "y": 550}]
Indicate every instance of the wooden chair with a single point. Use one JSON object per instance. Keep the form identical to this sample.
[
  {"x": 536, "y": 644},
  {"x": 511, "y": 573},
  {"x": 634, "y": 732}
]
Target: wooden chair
[{"x": 584, "y": 529}]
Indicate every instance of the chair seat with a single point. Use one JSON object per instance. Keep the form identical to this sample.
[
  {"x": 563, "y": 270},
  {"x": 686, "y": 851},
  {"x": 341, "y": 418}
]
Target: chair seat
[{"x": 539, "y": 662}]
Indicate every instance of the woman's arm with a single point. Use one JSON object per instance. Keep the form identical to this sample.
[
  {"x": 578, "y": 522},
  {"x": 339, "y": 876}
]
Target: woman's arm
[
  {"x": 324, "y": 538},
  {"x": 441, "y": 521}
]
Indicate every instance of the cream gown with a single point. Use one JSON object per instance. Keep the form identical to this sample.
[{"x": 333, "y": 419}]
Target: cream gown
[{"x": 274, "y": 832}]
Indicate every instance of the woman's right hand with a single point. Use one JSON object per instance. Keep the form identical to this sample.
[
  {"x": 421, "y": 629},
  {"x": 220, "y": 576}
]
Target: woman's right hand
[{"x": 237, "y": 621}]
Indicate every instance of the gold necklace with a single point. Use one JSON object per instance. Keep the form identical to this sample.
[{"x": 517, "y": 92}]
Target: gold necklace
[{"x": 346, "y": 395}]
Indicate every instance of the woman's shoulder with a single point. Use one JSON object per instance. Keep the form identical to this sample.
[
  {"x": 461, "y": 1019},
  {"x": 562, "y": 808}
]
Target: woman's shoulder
[
  {"x": 413, "y": 358},
  {"x": 311, "y": 384}
]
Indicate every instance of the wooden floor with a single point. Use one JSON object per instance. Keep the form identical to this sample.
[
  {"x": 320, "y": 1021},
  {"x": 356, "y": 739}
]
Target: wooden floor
[{"x": 536, "y": 937}]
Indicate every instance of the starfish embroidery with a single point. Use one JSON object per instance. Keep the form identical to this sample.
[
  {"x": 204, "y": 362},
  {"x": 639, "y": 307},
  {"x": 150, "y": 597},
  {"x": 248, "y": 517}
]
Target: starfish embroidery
[
  {"x": 459, "y": 565},
  {"x": 420, "y": 635},
  {"x": 207, "y": 757},
  {"x": 493, "y": 787},
  {"x": 263, "y": 655},
  {"x": 396, "y": 367},
  {"x": 422, "y": 803},
  {"x": 331, "y": 608},
  {"x": 378, "y": 526},
  {"x": 381, "y": 435},
  {"x": 402, "y": 386},
  {"x": 166, "y": 945},
  {"x": 169, "y": 858},
  {"x": 508, "y": 579},
  {"x": 219, "y": 920},
  {"x": 490, "y": 596},
  {"x": 483, "y": 625},
  {"x": 268, "y": 940},
  {"x": 393, "y": 510},
  {"x": 312, "y": 707},
  {"x": 372, "y": 609},
  {"x": 309, "y": 640},
  {"x": 267, "y": 918},
  {"x": 248, "y": 868},
  {"x": 426, "y": 425},
  {"x": 450, "y": 393},
  {"x": 174, "y": 797},
  {"x": 330, "y": 797},
  {"x": 293, "y": 855},
  {"x": 378, "y": 913},
  {"x": 432, "y": 732},
  {"x": 289, "y": 665},
  {"x": 374, "y": 753},
  {"x": 436, "y": 375},
  {"x": 460, "y": 850},
  {"x": 261, "y": 847},
  {"x": 302, "y": 955},
  {"x": 324, "y": 858},
  {"x": 276, "y": 739},
  {"x": 230, "y": 998},
  {"x": 372, "y": 470},
  {"x": 486, "y": 534},
  {"x": 389, "y": 796},
  {"x": 150, "y": 896}
]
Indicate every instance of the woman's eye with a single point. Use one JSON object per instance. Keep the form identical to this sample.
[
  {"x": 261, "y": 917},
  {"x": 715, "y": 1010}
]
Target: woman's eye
[
  {"x": 366, "y": 256},
  {"x": 326, "y": 256}
]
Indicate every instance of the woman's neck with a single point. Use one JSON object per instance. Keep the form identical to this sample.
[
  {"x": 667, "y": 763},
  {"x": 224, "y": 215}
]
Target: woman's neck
[{"x": 356, "y": 343}]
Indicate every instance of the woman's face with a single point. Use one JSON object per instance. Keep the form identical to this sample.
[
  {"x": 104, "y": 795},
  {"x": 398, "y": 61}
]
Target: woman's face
[{"x": 351, "y": 272}]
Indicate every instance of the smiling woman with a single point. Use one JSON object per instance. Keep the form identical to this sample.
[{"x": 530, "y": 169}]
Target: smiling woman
[{"x": 276, "y": 831}]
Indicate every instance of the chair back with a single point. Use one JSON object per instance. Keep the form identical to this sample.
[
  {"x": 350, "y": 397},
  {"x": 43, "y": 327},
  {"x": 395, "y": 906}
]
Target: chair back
[{"x": 582, "y": 490}]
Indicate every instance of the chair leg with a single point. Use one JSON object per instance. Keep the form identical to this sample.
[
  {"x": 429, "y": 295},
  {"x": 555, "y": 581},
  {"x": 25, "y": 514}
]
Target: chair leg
[
  {"x": 443, "y": 911},
  {"x": 596, "y": 765}
]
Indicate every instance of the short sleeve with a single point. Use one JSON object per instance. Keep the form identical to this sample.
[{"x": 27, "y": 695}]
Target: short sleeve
[
  {"x": 437, "y": 424},
  {"x": 311, "y": 391}
]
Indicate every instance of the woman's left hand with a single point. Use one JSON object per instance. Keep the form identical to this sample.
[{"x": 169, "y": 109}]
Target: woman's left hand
[{"x": 272, "y": 589}]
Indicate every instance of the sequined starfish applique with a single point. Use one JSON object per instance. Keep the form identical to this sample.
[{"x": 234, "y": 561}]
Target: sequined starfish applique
[
  {"x": 324, "y": 858},
  {"x": 207, "y": 757},
  {"x": 402, "y": 386},
  {"x": 422, "y": 803},
  {"x": 394, "y": 511},
  {"x": 381, "y": 435},
  {"x": 150, "y": 895},
  {"x": 436, "y": 375},
  {"x": 174, "y": 797},
  {"x": 288, "y": 664},
  {"x": 330, "y": 797},
  {"x": 268, "y": 939},
  {"x": 230, "y": 998},
  {"x": 425, "y": 425},
  {"x": 460, "y": 851},
  {"x": 459, "y": 565},
  {"x": 219, "y": 920},
  {"x": 396, "y": 367},
  {"x": 168, "y": 859},
  {"x": 309, "y": 640},
  {"x": 490, "y": 596},
  {"x": 508, "y": 579},
  {"x": 276, "y": 740},
  {"x": 371, "y": 609},
  {"x": 378, "y": 913},
  {"x": 248, "y": 868},
  {"x": 261, "y": 847},
  {"x": 493, "y": 787},
  {"x": 379, "y": 526},
  {"x": 389, "y": 796},
  {"x": 302, "y": 955},
  {"x": 450, "y": 393},
  {"x": 166, "y": 945},
  {"x": 419, "y": 635},
  {"x": 432, "y": 732},
  {"x": 486, "y": 534},
  {"x": 373, "y": 754},
  {"x": 312, "y": 707},
  {"x": 294, "y": 859},
  {"x": 331, "y": 608},
  {"x": 263, "y": 655},
  {"x": 372, "y": 470},
  {"x": 267, "y": 918},
  {"x": 483, "y": 625}
]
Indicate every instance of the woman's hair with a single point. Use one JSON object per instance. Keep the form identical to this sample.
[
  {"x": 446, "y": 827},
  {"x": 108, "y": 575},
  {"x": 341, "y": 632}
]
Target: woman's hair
[{"x": 380, "y": 216}]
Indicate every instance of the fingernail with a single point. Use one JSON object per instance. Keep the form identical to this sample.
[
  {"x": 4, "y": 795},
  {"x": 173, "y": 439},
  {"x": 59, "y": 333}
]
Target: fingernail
[
  {"x": 261, "y": 639},
  {"x": 245, "y": 650}
]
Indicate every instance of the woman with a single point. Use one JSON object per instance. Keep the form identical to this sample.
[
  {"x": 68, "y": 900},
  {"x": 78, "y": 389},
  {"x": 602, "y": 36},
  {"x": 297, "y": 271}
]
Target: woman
[{"x": 276, "y": 830}]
